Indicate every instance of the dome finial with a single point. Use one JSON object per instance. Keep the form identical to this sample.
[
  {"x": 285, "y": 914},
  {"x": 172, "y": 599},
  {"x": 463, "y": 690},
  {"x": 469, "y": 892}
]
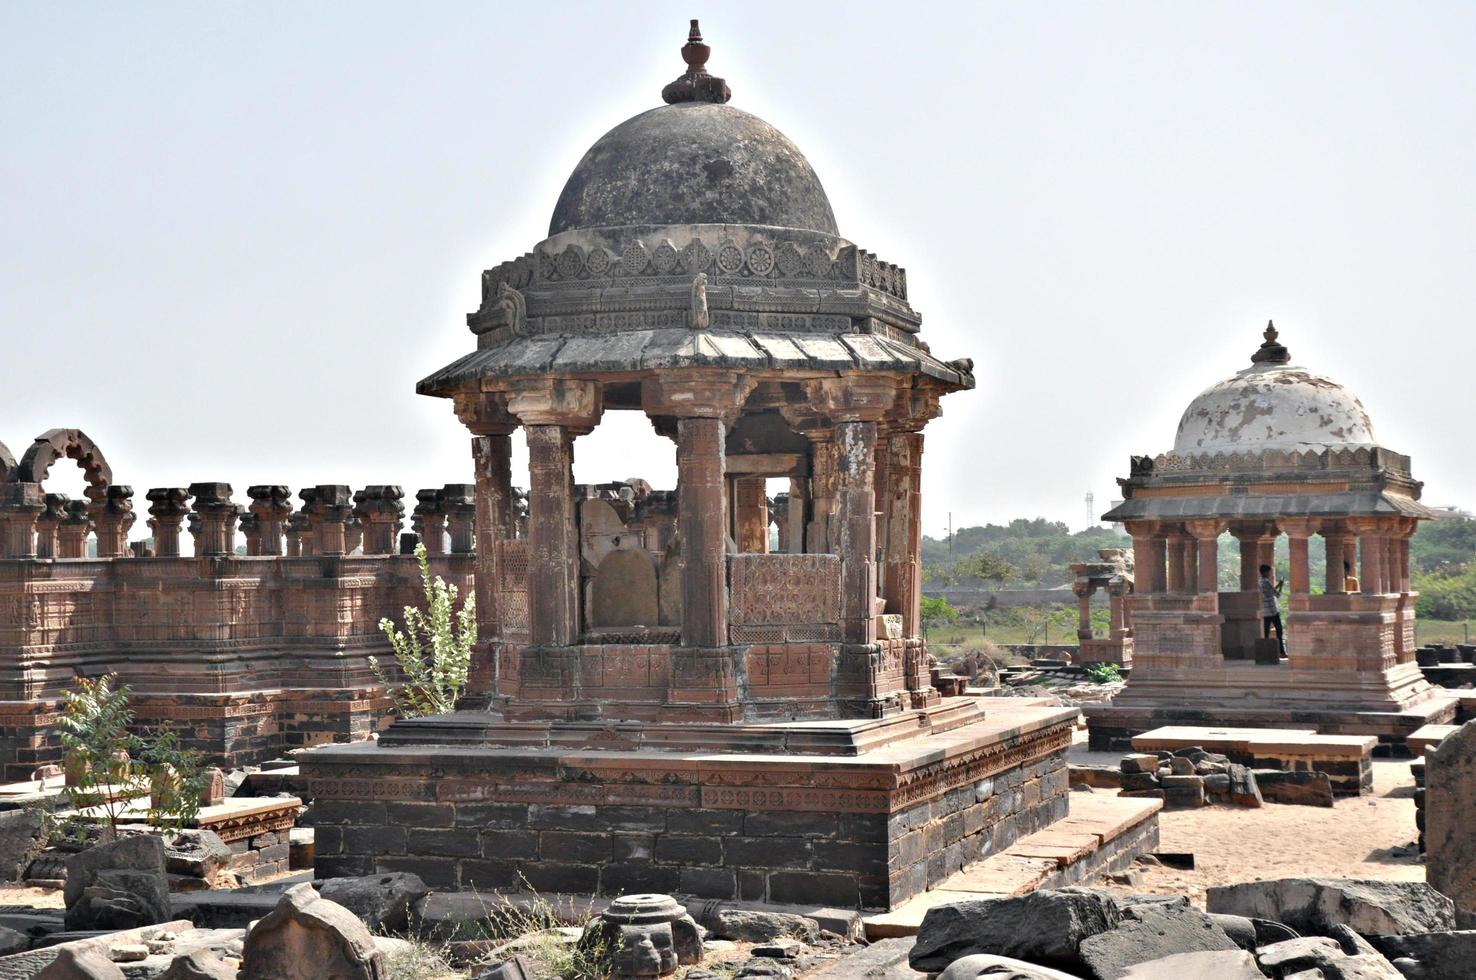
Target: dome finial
[
  {"x": 1271, "y": 352},
  {"x": 696, "y": 85}
]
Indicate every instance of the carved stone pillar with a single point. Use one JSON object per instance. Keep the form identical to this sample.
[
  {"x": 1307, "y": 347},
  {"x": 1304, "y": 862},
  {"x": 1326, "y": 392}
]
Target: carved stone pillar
[
  {"x": 1333, "y": 541},
  {"x": 20, "y": 505},
  {"x": 428, "y": 521},
  {"x": 167, "y": 509},
  {"x": 854, "y": 534},
  {"x": 701, "y": 523},
  {"x": 822, "y": 490},
  {"x": 1370, "y": 554},
  {"x": 553, "y": 572},
  {"x": 298, "y": 537},
  {"x": 1254, "y": 539},
  {"x": 751, "y": 515},
  {"x": 270, "y": 505},
  {"x": 114, "y": 519},
  {"x": 380, "y": 511},
  {"x": 1298, "y": 532},
  {"x": 48, "y": 521},
  {"x": 779, "y": 514},
  {"x": 902, "y": 568},
  {"x": 73, "y": 530},
  {"x": 1083, "y": 609},
  {"x": 492, "y": 464},
  {"x": 329, "y": 508},
  {"x": 1148, "y": 556},
  {"x": 796, "y": 508},
  {"x": 1206, "y": 536},
  {"x": 213, "y": 519},
  {"x": 459, "y": 501},
  {"x": 353, "y": 534}
]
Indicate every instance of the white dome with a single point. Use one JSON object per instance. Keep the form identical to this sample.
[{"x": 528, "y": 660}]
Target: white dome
[{"x": 1273, "y": 406}]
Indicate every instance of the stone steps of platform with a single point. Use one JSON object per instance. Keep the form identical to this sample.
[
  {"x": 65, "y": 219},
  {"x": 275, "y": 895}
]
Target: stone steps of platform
[{"x": 1100, "y": 831}]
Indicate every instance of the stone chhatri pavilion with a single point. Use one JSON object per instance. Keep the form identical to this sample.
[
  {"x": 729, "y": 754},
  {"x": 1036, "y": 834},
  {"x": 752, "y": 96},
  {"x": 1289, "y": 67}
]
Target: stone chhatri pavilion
[
  {"x": 1275, "y": 449},
  {"x": 672, "y": 707}
]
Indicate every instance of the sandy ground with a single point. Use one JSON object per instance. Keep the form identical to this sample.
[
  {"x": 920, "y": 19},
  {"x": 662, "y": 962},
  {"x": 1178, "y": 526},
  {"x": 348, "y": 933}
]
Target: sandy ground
[{"x": 1356, "y": 838}]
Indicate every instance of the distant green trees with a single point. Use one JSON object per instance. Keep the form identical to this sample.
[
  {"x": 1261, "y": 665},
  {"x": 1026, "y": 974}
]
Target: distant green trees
[{"x": 1021, "y": 554}]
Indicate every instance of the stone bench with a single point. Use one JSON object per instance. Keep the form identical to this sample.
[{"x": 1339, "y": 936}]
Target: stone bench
[
  {"x": 1347, "y": 759},
  {"x": 1426, "y": 737}
]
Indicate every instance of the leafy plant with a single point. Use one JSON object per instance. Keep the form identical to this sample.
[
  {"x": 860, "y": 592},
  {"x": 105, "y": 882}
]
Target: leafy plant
[
  {"x": 1103, "y": 673},
  {"x": 434, "y": 650},
  {"x": 109, "y": 767},
  {"x": 937, "y": 610},
  {"x": 94, "y": 736}
]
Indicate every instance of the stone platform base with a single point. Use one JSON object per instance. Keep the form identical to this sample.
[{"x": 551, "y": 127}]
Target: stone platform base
[
  {"x": 1103, "y": 833},
  {"x": 854, "y": 814},
  {"x": 1112, "y": 726}
]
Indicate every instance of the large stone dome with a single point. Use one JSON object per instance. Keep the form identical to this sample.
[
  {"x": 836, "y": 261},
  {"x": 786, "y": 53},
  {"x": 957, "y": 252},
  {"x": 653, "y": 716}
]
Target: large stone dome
[
  {"x": 693, "y": 163},
  {"x": 1273, "y": 405}
]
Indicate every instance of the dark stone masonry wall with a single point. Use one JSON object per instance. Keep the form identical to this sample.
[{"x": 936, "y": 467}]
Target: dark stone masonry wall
[{"x": 868, "y": 860}]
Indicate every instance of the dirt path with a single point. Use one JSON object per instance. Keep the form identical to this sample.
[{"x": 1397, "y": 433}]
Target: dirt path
[{"x": 1356, "y": 838}]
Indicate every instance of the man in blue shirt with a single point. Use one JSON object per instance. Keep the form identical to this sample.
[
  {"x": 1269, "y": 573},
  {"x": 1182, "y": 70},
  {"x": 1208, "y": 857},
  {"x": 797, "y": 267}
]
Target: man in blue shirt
[{"x": 1270, "y": 608}]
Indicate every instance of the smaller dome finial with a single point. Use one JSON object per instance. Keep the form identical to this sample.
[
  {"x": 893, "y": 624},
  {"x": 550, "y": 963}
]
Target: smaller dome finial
[
  {"x": 696, "y": 85},
  {"x": 1270, "y": 351}
]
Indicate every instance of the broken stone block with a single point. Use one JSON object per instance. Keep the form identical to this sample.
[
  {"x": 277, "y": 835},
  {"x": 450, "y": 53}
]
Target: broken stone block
[
  {"x": 1140, "y": 763},
  {"x": 200, "y": 964},
  {"x": 118, "y": 885},
  {"x": 383, "y": 902},
  {"x": 984, "y": 966},
  {"x": 1315, "y": 906},
  {"x": 12, "y": 941},
  {"x": 1300, "y": 788},
  {"x": 1045, "y": 927},
  {"x": 1150, "y": 932},
  {"x": 644, "y": 936},
  {"x": 307, "y": 937},
  {"x": 22, "y": 837},
  {"x": 1437, "y": 955},
  {"x": 1202, "y": 965},
  {"x": 196, "y": 853},
  {"x": 1252, "y": 934},
  {"x": 1344, "y": 956},
  {"x": 517, "y": 968},
  {"x": 751, "y": 926},
  {"x": 1450, "y": 840},
  {"x": 1244, "y": 790},
  {"x": 91, "y": 963},
  {"x": 128, "y": 953}
]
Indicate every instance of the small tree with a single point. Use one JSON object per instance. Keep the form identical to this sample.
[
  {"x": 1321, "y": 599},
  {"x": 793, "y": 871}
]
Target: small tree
[
  {"x": 176, "y": 779},
  {"x": 434, "y": 651},
  {"x": 94, "y": 735}
]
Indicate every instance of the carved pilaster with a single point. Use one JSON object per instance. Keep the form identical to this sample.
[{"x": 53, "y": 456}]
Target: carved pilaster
[
  {"x": 553, "y": 574},
  {"x": 167, "y": 509},
  {"x": 902, "y": 572},
  {"x": 459, "y": 501},
  {"x": 1207, "y": 540},
  {"x": 73, "y": 531},
  {"x": 114, "y": 519},
  {"x": 213, "y": 519},
  {"x": 270, "y": 505},
  {"x": 329, "y": 508},
  {"x": 47, "y": 523},
  {"x": 750, "y": 515},
  {"x": 298, "y": 537},
  {"x": 428, "y": 521},
  {"x": 20, "y": 505},
  {"x": 380, "y": 512},
  {"x": 1298, "y": 532},
  {"x": 701, "y": 522}
]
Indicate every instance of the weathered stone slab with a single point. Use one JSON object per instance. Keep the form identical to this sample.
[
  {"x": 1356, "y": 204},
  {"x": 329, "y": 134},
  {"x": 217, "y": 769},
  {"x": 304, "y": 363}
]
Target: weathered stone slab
[
  {"x": 984, "y": 966},
  {"x": 1200, "y": 965},
  {"x": 1045, "y": 927},
  {"x": 1439, "y": 955},
  {"x": 1150, "y": 932},
  {"x": 1450, "y": 835},
  {"x": 306, "y": 937},
  {"x": 118, "y": 885},
  {"x": 1315, "y": 906}
]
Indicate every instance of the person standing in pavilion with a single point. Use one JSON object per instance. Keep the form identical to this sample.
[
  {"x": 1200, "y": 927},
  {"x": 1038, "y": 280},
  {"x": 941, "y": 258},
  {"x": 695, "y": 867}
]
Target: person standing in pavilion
[{"x": 1271, "y": 608}]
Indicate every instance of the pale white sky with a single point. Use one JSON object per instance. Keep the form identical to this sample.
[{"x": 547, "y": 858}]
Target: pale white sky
[{"x": 237, "y": 234}]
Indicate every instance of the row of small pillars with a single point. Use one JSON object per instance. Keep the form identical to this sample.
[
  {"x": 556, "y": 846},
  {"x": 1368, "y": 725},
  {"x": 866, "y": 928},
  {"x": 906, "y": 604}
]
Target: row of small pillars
[
  {"x": 332, "y": 520},
  {"x": 1183, "y": 558}
]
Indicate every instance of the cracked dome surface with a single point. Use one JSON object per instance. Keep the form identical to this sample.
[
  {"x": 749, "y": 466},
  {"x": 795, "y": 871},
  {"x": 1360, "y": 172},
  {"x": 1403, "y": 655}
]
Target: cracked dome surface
[
  {"x": 693, "y": 163},
  {"x": 1273, "y": 406}
]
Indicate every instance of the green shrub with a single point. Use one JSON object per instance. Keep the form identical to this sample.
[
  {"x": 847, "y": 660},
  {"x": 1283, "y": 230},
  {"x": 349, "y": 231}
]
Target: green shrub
[
  {"x": 434, "y": 651},
  {"x": 1103, "y": 673}
]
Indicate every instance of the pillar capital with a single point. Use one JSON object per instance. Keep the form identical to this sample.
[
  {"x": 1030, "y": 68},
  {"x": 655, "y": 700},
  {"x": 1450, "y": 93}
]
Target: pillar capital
[
  {"x": 113, "y": 519},
  {"x": 380, "y": 511},
  {"x": 1144, "y": 529},
  {"x": 852, "y": 398},
  {"x": 20, "y": 506},
  {"x": 572, "y": 405},
  {"x": 213, "y": 518},
  {"x": 1372, "y": 526},
  {"x": 459, "y": 504},
  {"x": 74, "y": 529},
  {"x": 915, "y": 407},
  {"x": 1297, "y": 527},
  {"x": 167, "y": 509},
  {"x": 485, "y": 413},
  {"x": 270, "y": 507},
  {"x": 329, "y": 508},
  {"x": 695, "y": 394},
  {"x": 1201, "y": 530}
]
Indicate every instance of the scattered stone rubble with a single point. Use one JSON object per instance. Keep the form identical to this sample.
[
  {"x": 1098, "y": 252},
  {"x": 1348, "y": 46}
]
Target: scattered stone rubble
[{"x": 1191, "y": 777}]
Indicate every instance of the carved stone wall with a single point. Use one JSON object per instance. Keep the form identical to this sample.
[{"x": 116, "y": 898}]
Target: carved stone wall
[
  {"x": 783, "y": 598},
  {"x": 245, "y": 656}
]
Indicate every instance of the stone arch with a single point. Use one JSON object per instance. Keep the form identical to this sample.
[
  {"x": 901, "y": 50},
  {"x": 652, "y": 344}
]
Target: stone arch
[
  {"x": 7, "y": 464},
  {"x": 72, "y": 444},
  {"x": 623, "y": 592}
]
